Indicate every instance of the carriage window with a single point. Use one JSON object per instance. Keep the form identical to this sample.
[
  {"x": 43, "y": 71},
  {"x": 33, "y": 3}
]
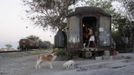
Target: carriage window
[
  {"x": 104, "y": 35},
  {"x": 74, "y": 30}
]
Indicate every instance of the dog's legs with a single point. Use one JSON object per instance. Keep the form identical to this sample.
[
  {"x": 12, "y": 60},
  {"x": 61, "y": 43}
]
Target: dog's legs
[
  {"x": 38, "y": 63},
  {"x": 67, "y": 67},
  {"x": 51, "y": 65}
]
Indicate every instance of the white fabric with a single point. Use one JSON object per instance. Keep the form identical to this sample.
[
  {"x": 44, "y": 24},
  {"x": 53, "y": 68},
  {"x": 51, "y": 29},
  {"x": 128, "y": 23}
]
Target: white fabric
[{"x": 92, "y": 38}]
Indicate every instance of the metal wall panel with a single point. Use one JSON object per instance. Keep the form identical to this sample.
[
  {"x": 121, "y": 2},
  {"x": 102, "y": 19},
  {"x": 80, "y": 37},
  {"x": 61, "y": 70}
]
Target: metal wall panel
[
  {"x": 104, "y": 31},
  {"x": 74, "y": 30}
]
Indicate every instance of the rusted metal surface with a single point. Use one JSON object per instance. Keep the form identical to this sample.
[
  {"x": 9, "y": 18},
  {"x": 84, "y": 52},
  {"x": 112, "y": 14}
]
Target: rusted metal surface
[
  {"x": 102, "y": 28},
  {"x": 60, "y": 39},
  {"x": 88, "y": 10}
]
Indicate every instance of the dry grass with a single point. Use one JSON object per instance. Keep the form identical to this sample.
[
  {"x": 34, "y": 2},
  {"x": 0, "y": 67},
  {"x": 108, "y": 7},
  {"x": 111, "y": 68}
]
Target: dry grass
[{"x": 23, "y": 53}]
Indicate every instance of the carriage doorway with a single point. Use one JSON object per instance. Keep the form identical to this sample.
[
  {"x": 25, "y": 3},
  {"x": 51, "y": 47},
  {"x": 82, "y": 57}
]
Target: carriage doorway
[{"x": 89, "y": 31}]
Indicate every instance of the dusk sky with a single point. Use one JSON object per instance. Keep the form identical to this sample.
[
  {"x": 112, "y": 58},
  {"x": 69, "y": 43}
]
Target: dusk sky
[{"x": 13, "y": 24}]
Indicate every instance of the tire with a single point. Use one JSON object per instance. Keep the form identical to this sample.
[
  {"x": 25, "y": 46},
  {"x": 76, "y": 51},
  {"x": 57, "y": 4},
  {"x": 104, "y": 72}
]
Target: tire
[{"x": 88, "y": 54}]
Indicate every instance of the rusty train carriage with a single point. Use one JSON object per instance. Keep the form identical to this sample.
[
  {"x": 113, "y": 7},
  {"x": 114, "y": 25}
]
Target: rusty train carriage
[{"x": 95, "y": 17}]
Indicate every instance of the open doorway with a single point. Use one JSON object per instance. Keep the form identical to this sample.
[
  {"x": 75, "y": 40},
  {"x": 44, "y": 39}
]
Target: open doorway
[{"x": 89, "y": 30}]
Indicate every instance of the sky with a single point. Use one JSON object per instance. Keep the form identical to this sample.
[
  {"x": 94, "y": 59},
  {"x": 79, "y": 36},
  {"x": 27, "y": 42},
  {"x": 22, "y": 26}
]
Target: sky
[{"x": 13, "y": 24}]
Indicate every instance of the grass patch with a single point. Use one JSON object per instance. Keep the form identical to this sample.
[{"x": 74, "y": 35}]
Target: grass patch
[
  {"x": 60, "y": 51},
  {"x": 23, "y": 53}
]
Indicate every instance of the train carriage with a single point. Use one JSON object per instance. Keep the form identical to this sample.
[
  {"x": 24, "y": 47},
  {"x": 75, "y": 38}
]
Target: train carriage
[{"x": 90, "y": 17}]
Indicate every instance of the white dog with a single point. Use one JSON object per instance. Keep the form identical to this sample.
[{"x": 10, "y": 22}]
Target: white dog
[{"x": 69, "y": 64}]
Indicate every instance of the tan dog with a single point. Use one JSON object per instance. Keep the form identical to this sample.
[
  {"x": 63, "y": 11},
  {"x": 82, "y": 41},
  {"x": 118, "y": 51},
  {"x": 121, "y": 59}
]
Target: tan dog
[{"x": 47, "y": 58}]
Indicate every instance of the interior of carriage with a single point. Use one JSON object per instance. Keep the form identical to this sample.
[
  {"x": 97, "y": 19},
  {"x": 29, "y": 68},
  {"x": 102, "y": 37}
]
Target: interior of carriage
[{"x": 89, "y": 31}]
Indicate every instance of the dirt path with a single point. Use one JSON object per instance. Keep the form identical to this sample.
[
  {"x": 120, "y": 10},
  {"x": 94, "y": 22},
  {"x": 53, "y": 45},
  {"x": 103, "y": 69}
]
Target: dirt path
[{"x": 25, "y": 66}]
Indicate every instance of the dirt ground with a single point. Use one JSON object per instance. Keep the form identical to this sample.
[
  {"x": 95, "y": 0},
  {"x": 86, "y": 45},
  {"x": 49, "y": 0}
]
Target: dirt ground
[{"x": 26, "y": 66}]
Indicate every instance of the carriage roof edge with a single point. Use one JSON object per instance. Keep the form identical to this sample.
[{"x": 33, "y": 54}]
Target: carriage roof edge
[{"x": 88, "y": 10}]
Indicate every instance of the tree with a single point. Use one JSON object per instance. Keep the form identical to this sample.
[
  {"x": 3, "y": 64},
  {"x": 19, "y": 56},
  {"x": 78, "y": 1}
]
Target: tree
[
  {"x": 129, "y": 6},
  {"x": 45, "y": 44},
  {"x": 128, "y": 27},
  {"x": 33, "y": 37},
  {"x": 49, "y": 12},
  {"x": 53, "y": 12}
]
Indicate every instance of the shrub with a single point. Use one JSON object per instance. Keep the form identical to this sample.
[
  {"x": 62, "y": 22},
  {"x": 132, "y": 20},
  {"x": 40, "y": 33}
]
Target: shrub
[{"x": 60, "y": 51}]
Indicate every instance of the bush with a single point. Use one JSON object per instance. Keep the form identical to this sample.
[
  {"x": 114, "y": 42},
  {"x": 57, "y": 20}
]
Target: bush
[{"x": 60, "y": 51}]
